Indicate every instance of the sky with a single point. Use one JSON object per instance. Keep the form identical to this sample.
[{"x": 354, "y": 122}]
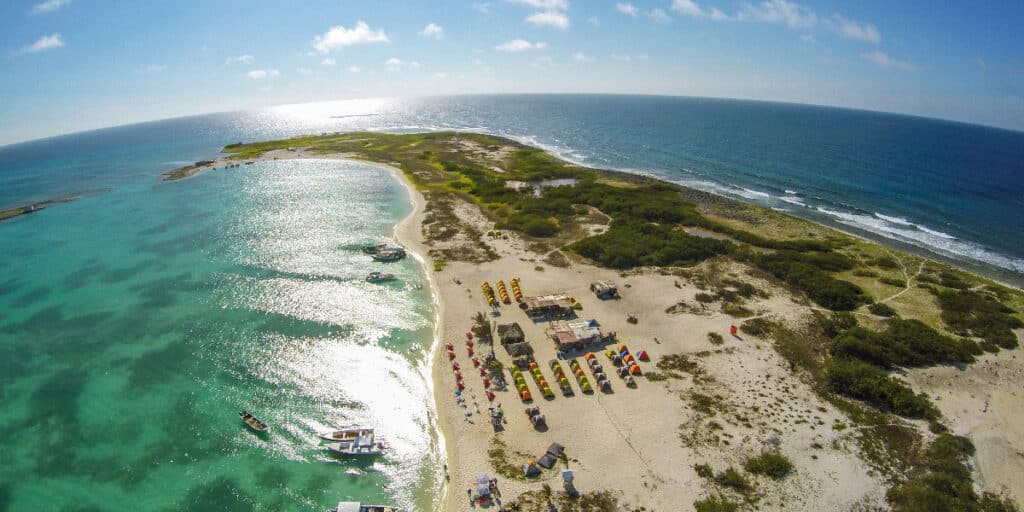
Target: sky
[{"x": 71, "y": 65}]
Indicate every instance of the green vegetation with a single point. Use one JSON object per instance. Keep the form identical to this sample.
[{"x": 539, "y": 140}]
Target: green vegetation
[
  {"x": 715, "y": 504},
  {"x": 715, "y": 338},
  {"x": 944, "y": 482},
  {"x": 732, "y": 479},
  {"x": 972, "y": 313},
  {"x": 881, "y": 309},
  {"x": 904, "y": 343},
  {"x": 808, "y": 272},
  {"x": 863, "y": 381},
  {"x": 771, "y": 464}
]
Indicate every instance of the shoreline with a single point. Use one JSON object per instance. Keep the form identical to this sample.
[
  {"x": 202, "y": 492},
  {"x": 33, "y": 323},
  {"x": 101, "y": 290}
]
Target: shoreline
[
  {"x": 406, "y": 233},
  {"x": 639, "y": 450}
]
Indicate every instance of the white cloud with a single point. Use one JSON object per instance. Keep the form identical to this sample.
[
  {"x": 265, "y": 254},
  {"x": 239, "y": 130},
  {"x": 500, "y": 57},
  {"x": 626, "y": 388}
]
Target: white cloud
[
  {"x": 594, "y": 21},
  {"x": 42, "y": 44},
  {"x": 582, "y": 57},
  {"x": 519, "y": 45},
  {"x": 340, "y": 37},
  {"x": 807, "y": 38},
  {"x": 718, "y": 15},
  {"x": 328, "y": 62},
  {"x": 304, "y": 71},
  {"x": 887, "y": 62},
  {"x": 441, "y": 75},
  {"x": 49, "y": 6},
  {"x": 260, "y": 74},
  {"x": 549, "y": 18},
  {"x": 241, "y": 59},
  {"x": 659, "y": 16},
  {"x": 687, "y": 7},
  {"x": 852, "y": 30},
  {"x": 544, "y": 4},
  {"x": 627, "y": 8},
  {"x": 396, "y": 64},
  {"x": 629, "y": 58},
  {"x": 354, "y": 69},
  {"x": 432, "y": 30},
  {"x": 778, "y": 11}
]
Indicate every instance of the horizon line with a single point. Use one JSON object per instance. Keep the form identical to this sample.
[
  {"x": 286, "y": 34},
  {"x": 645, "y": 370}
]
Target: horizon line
[{"x": 7, "y": 145}]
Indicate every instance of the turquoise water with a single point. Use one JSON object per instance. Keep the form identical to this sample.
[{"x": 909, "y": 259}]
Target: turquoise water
[{"x": 135, "y": 324}]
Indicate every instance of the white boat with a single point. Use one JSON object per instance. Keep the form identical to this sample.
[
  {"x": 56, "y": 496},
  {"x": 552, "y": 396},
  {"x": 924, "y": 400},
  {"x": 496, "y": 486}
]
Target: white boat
[
  {"x": 358, "y": 442},
  {"x": 347, "y": 435},
  {"x": 355, "y": 506},
  {"x": 356, "y": 450},
  {"x": 379, "y": 277}
]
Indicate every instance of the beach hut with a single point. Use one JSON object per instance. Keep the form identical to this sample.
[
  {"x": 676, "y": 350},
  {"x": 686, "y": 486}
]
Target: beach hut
[{"x": 510, "y": 333}]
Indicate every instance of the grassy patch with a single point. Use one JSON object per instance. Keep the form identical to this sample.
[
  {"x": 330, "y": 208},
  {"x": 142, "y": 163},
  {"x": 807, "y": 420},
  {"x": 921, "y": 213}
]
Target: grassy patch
[
  {"x": 715, "y": 504},
  {"x": 771, "y": 464}
]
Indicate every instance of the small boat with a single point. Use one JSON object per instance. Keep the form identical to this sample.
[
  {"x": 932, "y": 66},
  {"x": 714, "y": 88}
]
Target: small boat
[
  {"x": 373, "y": 248},
  {"x": 355, "y": 506},
  {"x": 253, "y": 422},
  {"x": 347, "y": 435},
  {"x": 379, "y": 277},
  {"x": 389, "y": 254}
]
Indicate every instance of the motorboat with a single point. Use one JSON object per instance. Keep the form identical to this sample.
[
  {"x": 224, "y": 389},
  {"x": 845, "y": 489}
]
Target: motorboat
[
  {"x": 355, "y": 506},
  {"x": 379, "y": 277}
]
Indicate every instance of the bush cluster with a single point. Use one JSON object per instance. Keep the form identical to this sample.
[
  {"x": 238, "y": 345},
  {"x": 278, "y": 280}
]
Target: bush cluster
[
  {"x": 771, "y": 464},
  {"x": 630, "y": 243},
  {"x": 808, "y": 272},
  {"x": 863, "y": 381},
  {"x": 978, "y": 314},
  {"x": 944, "y": 482},
  {"x": 904, "y": 343}
]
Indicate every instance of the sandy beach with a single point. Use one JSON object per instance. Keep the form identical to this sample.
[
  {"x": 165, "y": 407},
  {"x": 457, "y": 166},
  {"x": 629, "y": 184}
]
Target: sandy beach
[{"x": 639, "y": 446}]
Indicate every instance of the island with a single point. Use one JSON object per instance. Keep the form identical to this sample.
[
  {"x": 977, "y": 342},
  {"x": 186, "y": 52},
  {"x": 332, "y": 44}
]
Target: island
[{"x": 609, "y": 341}]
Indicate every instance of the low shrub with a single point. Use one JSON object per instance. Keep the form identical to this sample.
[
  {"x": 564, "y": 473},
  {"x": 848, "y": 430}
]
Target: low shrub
[
  {"x": 863, "y": 381},
  {"x": 771, "y": 464},
  {"x": 881, "y": 309}
]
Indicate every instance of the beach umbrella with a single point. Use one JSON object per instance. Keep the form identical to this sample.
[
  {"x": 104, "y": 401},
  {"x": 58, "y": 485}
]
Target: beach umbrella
[
  {"x": 732, "y": 330},
  {"x": 449, "y": 346},
  {"x": 483, "y": 372},
  {"x": 490, "y": 395},
  {"x": 455, "y": 366},
  {"x": 487, "y": 383},
  {"x": 451, "y": 356}
]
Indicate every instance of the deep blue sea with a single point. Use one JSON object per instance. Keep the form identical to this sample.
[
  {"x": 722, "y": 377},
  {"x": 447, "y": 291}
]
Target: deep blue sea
[
  {"x": 136, "y": 322},
  {"x": 951, "y": 189}
]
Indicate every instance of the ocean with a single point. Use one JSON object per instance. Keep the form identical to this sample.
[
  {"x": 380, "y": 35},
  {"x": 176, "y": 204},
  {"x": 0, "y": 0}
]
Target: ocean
[{"x": 137, "y": 321}]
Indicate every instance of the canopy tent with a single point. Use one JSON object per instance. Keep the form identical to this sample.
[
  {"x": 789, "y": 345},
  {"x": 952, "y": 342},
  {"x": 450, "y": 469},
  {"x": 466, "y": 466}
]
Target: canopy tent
[{"x": 567, "y": 475}]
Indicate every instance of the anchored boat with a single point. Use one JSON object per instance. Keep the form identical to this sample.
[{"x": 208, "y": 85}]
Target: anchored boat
[
  {"x": 253, "y": 422},
  {"x": 379, "y": 277},
  {"x": 357, "y": 442},
  {"x": 388, "y": 254},
  {"x": 355, "y": 506}
]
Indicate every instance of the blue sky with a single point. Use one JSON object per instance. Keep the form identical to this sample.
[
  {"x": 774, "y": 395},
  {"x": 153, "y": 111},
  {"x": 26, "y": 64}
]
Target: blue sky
[{"x": 68, "y": 65}]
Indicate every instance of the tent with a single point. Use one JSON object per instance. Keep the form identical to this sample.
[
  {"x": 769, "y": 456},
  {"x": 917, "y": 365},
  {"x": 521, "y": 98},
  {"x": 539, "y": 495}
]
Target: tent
[
  {"x": 483, "y": 485},
  {"x": 531, "y": 470},
  {"x": 548, "y": 461},
  {"x": 556, "y": 449}
]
